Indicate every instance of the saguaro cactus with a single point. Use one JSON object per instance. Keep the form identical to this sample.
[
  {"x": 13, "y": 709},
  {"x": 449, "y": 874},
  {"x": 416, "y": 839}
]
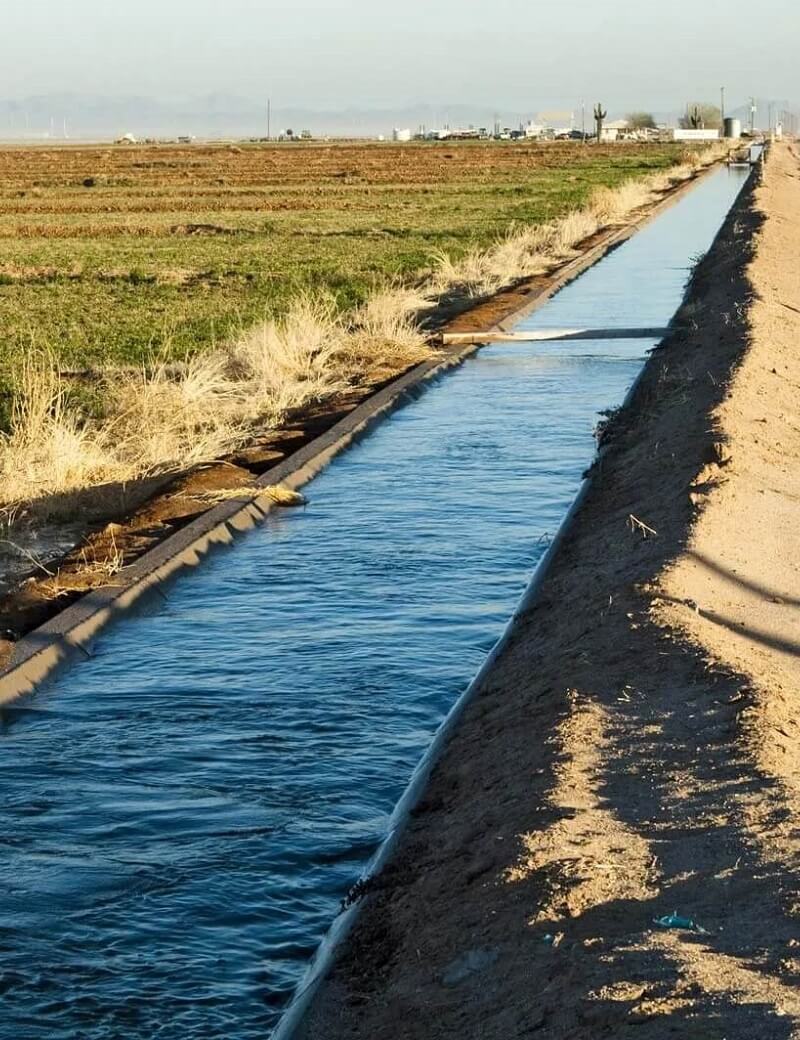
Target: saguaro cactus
[
  {"x": 599, "y": 116},
  {"x": 695, "y": 119}
]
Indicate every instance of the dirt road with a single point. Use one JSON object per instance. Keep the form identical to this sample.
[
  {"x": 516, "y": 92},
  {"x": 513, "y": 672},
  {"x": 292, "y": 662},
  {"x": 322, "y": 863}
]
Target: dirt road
[{"x": 635, "y": 750}]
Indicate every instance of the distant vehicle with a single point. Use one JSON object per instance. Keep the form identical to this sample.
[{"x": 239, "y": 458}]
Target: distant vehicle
[
  {"x": 186, "y": 139},
  {"x": 516, "y": 135}
]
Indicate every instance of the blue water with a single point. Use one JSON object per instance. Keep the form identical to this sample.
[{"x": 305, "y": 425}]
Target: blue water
[{"x": 183, "y": 812}]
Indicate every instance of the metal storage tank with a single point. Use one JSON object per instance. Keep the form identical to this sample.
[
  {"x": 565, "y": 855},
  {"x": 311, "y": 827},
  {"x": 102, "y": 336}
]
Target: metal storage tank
[{"x": 733, "y": 128}]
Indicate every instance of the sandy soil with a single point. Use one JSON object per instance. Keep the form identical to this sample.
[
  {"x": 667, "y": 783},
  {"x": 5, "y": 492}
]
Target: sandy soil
[{"x": 634, "y": 752}]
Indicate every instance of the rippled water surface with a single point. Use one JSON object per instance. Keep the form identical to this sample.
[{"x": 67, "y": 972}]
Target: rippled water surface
[{"x": 183, "y": 813}]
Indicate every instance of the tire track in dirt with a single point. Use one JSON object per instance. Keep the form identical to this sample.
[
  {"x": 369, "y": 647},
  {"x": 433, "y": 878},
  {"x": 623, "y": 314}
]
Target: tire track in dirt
[{"x": 585, "y": 856}]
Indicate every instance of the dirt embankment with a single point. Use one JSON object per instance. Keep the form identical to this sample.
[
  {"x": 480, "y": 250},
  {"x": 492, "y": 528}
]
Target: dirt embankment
[{"x": 635, "y": 750}]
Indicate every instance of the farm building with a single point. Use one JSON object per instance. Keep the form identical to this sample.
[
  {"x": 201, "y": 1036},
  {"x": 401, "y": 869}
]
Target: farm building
[{"x": 615, "y": 130}]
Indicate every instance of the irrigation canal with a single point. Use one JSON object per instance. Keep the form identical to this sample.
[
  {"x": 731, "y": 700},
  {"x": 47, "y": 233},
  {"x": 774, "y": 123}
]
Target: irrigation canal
[{"x": 183, "y": 812}]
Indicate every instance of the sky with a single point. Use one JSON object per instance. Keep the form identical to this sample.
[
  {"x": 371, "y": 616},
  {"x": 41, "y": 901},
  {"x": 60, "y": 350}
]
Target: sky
[{"x": 519, "y": 54}]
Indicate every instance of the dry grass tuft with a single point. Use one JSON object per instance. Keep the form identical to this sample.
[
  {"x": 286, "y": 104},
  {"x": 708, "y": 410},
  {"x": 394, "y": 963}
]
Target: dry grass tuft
[
  {"x": 277, "y": 493},
  {"x": 614, "y": 205},
  {"x": 163, "y": 420},
  {"x": 385, "y": 333},
  {"x": 154, "y": 422},
  {"x": 292, "y": 362},
  {"x": 283, "y": 496},
  {"x": 170, "y": 418},
  {"x": 48, "y": 450}
]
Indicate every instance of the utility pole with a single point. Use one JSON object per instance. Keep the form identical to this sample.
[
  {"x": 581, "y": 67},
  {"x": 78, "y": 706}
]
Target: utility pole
[
  {"x": 752, "y": 116},
  {"x": 721, "y": 111},
  {"x": 583, "y": 121}
]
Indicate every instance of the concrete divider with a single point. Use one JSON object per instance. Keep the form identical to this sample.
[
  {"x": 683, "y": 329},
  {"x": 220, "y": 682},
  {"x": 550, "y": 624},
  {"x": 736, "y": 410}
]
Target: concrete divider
[{"x": 550, "y": 335}]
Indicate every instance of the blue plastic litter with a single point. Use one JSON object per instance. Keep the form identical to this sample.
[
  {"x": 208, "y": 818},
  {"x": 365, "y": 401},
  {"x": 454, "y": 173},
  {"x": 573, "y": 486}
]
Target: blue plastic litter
[{"x": 674, "y": 920}]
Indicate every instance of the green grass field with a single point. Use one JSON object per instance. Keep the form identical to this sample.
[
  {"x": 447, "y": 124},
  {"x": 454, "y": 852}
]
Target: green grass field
[{"x": 110, "y": 254}]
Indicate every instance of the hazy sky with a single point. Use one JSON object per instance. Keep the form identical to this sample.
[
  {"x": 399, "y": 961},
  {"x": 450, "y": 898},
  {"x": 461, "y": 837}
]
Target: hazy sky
[{"x": 517, "y": 53}]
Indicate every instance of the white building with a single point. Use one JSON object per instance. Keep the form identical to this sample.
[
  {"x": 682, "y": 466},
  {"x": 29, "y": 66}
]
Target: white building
[
  {"x": 401, "y": 135},
  {"x": 614, "y": 130}
]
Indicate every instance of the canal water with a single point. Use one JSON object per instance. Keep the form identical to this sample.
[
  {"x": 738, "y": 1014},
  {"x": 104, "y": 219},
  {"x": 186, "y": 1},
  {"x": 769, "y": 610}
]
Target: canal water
[{"x": 183, "y": 813}]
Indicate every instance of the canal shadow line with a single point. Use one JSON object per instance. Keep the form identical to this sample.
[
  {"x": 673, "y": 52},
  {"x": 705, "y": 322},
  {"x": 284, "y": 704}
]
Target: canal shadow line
[{"x": 764, "y": 591}]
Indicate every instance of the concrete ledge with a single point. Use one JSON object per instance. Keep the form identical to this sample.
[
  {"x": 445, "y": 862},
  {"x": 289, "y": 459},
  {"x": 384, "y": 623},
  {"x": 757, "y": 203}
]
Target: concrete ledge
[{"x": 550, "y": 335}]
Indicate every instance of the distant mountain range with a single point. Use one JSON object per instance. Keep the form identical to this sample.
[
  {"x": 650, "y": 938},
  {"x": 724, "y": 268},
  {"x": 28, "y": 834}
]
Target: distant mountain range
[
  {"x": 216, "y": 115},
  {"x": 87, "y": 117}
]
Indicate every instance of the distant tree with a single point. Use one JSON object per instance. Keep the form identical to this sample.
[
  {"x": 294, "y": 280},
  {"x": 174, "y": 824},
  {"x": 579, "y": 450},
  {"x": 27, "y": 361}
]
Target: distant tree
[
  {"x": 701, "y": 116},
  {"x": 640, "y": 120}
]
